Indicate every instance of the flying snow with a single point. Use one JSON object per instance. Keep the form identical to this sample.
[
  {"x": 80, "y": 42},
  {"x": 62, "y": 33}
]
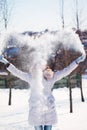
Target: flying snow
[{"x": 39, "y": 49}]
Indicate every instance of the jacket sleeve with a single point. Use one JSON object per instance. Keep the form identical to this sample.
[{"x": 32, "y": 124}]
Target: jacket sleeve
[
  {"x": 58, "y": 75},
  {"x": 18, "y": 73}
]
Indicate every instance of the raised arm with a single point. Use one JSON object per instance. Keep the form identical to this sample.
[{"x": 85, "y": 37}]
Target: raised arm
[
  {"x": 66, "y": 71},
  {"x": 16, "y": 72}
]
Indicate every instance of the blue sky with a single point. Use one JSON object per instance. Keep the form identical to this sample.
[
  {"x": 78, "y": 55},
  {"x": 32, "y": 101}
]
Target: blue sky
[{"x": 38, "y": 15}]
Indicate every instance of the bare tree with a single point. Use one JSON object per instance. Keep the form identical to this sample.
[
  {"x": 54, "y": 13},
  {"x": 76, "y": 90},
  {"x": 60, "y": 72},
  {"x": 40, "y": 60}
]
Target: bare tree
[
  {"x": 1, "y": 5},
  {"x": 77, "y": 15},
  {"x": 62, "y": 13},
  {"x": 79, "y": 19},
  {"x": 5, "y": 12}
]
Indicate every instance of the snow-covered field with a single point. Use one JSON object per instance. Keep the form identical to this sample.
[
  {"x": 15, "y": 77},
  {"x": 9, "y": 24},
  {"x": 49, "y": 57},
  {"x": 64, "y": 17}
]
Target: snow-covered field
[{"x": 15, "y": 117}]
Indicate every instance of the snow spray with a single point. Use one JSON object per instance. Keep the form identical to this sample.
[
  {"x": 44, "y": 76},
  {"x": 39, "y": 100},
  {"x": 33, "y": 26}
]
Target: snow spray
[{"x": 40, "y": 49}]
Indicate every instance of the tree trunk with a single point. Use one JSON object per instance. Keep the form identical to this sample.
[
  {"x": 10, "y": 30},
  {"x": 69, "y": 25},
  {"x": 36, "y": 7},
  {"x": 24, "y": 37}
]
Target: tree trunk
[
  {"x": 10, "y": 95},
  {"x": 62, "y": 13},
  {"x": 79, "y": 85},
  {"x": 10, "y": 91},
  {"x": 70, "y": 95},
  {"x": 82, "y": 97}
]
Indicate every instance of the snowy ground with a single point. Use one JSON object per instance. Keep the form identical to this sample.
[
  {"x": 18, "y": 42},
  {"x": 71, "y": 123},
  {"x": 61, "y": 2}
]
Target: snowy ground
[{"x": 15, "y": 117}]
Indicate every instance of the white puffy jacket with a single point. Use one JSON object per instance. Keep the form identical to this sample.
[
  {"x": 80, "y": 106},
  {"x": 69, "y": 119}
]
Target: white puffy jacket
[{"x": 42, "y": 112}]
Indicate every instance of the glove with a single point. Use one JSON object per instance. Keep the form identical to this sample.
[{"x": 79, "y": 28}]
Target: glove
[
  {"x": 3, "y": 60},
  {"x": 80, "y": 59}
]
